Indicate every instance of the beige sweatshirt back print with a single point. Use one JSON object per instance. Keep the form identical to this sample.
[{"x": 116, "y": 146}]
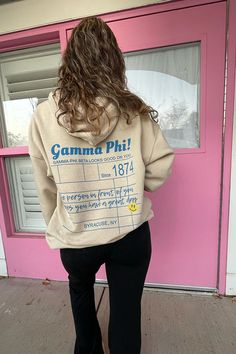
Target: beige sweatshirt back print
[{"x": 91, "y": 188}]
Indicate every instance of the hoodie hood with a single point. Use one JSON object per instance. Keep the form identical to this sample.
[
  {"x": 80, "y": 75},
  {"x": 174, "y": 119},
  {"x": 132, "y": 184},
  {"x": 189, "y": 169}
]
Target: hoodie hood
[{"x": 82, "y": 130}]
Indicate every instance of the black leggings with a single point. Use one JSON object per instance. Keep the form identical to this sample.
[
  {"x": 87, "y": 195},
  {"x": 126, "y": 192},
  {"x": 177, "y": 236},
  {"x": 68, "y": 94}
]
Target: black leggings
[{"x": 126, "y": 262}]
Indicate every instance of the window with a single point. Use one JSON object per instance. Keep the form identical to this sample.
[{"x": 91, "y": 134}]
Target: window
[
  {"x": 168, "y": 79},
  {"x": 26, "y": 78}
]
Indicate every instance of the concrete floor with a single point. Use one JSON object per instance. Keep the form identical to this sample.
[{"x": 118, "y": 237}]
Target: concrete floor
[{"x": 36, "y": 318}]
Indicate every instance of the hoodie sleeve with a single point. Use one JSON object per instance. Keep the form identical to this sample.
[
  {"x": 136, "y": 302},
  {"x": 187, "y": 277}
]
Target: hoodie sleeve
[
  {"x": 159, "y": 165},
  {"x": 45, "y": 185}
]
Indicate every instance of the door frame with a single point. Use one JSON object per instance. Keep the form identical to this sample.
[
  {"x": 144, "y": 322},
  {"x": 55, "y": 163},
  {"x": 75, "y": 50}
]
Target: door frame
[{"x": 227, "y": 259}]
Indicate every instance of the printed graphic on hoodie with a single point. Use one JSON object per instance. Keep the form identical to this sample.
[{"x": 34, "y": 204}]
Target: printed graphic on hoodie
[{"x": 106, "y": 178}]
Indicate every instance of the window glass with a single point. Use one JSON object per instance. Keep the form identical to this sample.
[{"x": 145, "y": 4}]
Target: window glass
[
  {"x": 168, "y": 79},
  {"x": 26, "y": 78},
  {"x": 25, "y": 203}
]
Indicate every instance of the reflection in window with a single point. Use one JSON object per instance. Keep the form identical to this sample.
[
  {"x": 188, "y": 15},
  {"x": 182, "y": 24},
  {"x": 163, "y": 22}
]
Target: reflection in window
[
  {"x": 17, "y": 115},
  {"x": 26, "y": 79},
  {"x": 168, "y": 79}
]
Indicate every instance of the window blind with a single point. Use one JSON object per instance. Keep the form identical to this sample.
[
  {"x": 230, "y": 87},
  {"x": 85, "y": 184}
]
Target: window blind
[{"x": 26, "y": 74}]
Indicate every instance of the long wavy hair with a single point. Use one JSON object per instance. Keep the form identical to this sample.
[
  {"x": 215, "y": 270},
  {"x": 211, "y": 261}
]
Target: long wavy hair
[{"x": 93, "y": 65}]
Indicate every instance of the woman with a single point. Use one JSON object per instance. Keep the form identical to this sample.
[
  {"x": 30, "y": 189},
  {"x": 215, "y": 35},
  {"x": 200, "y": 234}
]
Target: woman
[{"x": 95, "y": 147}]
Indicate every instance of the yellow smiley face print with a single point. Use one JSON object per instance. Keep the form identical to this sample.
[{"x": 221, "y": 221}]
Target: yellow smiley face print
[{"x": 133, "y": 207}]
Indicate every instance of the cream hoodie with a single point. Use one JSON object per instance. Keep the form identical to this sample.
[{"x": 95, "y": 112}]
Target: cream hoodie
[{"x": 91, "y": 189}]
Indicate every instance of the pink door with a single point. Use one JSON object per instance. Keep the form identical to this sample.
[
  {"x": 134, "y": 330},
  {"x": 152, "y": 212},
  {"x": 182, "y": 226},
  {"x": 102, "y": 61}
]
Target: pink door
[
  {"x": 185, "y": 231},
  {"x": 175, "y": 59}
]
